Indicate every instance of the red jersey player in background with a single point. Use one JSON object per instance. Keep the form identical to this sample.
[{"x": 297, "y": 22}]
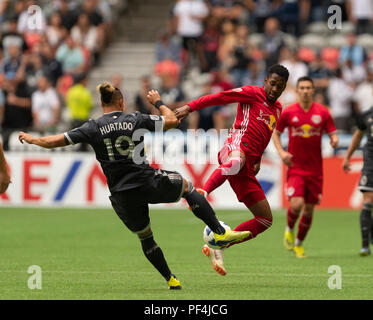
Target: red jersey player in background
[
  {"x": 306, "y": 121},
  {"x": 257, "y": 114}
]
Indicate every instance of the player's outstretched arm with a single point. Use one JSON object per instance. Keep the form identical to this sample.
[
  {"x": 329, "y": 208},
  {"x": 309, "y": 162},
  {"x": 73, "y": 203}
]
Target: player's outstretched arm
[
  {"x": 170, "y": 120},
  {"x": 355, "y": 142},
  {"x": 48, "y": 142}
]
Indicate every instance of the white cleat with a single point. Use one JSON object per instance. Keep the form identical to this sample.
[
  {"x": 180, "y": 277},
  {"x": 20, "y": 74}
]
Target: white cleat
[{"x": 216, "y": 259}]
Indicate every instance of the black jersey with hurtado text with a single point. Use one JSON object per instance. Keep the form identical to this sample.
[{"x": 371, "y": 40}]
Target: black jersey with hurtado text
[
  {"x": 365, "y": 123},
  {"x": 117, "y": 139}
]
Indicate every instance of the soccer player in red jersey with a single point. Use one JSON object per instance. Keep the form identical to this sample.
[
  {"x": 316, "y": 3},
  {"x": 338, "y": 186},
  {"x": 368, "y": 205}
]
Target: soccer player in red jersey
[
  {"x": 306, "y": 121},
  {"x": 257, "y": 114}
]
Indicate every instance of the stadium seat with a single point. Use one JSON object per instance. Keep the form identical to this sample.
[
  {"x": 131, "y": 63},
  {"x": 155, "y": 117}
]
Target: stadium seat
[
  {"x": 318, "y": 28},
  {"x": 314, "y": 41},
  {"x": 348, "y": 27},
  {"x": 306, "y": 55},
  {"x": 290, "y": 40},
  {"x": 366, "y": 41},
  {"x": 337, "y": 40},
  {"x": 330, "y": 56}
]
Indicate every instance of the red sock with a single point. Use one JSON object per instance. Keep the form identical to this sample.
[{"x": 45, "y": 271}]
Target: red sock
[
  {"x": 304, "y": 226},
  {"x": 292, "y": 218},
  {"x": 255, "y": 226},
  {"x": 218, "y": 177}
]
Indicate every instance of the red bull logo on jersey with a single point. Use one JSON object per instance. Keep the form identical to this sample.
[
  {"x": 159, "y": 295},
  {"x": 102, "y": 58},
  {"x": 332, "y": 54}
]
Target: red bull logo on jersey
[
  {"x": 305, "y": 131},
  {"x": 268, "y": 119}
]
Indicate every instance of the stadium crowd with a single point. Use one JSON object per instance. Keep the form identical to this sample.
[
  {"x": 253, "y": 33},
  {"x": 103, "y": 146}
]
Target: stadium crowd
[
  {"x": 213, "y": 45},
  {"x": 46, "y": 53}
]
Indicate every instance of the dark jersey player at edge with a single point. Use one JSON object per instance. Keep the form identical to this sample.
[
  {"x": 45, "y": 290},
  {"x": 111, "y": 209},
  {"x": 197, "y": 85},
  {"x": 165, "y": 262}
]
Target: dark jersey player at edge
[{"x": 117, "y": 139}]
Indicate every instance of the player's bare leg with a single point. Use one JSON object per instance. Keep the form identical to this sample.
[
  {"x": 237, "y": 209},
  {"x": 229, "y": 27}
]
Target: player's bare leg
[
  {"x": 304, "y": 226},
  {"x": 296, "y": 206},
  {"x": 366, "y": 223}
]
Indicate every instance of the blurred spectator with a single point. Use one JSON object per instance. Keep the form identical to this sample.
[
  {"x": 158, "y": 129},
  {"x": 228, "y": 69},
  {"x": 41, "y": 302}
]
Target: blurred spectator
[
  {"x": 17, "y": 114},
  {"x": 340, "y": 96},
  {"x": 141, "y": 102},
  {"x": 30, "y": 70},
  {"x": 68, "y": 16},
  {"x": 71, "y": 57},
  {"x": 352, "y": 51},
  {"x": 2, "y": 107},
  {"x": 289, "y": 59},
  {"x": 51, "y": 67},
  {"x": 317, "y": 10},
  {"x": 12, "y": 37},
  {"x": 363, "y": 96},
  {"x": 45, "y": 106},
  {"x": 117, "y": 81},
  {"x": 273, "y": 42},
  {"x": 241, "y": 54},
  {"x": 79, "y": 103},
  {"x": 189, "y": 16},
  {"x": 320, "y": 74},
  {"x": 3, "y": 6},
  {"x": 12, "y": 63},
  {"x": 168, "y": 67},
  {"x": 227, "y": 42},
  {"x": 254, "y": 75},
  {"x": 262, "y": 9},
  {"x": 55, "y": 32},
  {"x": 353, "y": 74},
  {"x": 210, "y": 44},
  {"x": 172, "y": 95},
  {"x": 360, "y": 12},
  {"x": 168, "y": 47},
  {"x": 86, "y": 35}
]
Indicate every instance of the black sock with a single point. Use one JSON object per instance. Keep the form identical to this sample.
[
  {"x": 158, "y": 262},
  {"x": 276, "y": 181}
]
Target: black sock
[
  {"x": 365, "y": 224},
  {"x": 155, "y": 255},
  {"x": 202, "y": 210}
]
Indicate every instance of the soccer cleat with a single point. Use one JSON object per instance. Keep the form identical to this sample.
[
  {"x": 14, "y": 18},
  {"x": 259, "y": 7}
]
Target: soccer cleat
[
  {"x": 289, "y": 240},
  {"x": 173, "y": 283},
  {"x": 216, "y": 259},
  {"x": 299, "y": 251},
  {"x": 202, "y": 192},
  {"x": 364, "y": 252},
  {"x": 230, "y": 236}
]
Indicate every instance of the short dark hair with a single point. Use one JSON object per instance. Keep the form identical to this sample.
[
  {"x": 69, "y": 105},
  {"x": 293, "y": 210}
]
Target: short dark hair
[
  {"x": 279, "y": 70},
  {"x": 305, "y": 78}
]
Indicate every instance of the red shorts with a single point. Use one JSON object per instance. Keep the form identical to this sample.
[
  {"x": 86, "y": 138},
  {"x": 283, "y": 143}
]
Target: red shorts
[
  {"x": 307, "y": 187},
  {"x": 245, "y": 185}
]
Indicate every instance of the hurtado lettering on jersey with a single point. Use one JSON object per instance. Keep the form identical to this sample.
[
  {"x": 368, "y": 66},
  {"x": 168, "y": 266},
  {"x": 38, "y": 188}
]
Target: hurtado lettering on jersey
[{"x": 115, "y": 127}]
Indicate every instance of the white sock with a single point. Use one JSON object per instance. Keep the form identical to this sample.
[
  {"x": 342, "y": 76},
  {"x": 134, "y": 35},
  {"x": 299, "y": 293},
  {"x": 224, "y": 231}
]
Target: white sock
[
  {"x": 288, "y": 229},
  {"x": 298, "y": 242}
]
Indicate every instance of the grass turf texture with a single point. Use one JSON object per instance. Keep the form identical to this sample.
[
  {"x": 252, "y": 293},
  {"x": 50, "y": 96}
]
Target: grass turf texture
[{"x": 89, "y": 254}]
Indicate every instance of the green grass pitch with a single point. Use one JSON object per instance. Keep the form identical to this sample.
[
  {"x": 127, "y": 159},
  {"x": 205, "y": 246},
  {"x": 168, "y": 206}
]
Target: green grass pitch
[{"x": 89, "y": 254}]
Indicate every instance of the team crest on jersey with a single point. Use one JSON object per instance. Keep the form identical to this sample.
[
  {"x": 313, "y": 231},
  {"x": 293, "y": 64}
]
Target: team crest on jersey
[
  {"x": 290, "y": 191},
  {"x": 268, "y": 119},
  {"x": 295, "y": 119},
  {"x": 237, "y": 90},
  {"x": 305, "y": 131},
  {"x": 316, "y": 118}
]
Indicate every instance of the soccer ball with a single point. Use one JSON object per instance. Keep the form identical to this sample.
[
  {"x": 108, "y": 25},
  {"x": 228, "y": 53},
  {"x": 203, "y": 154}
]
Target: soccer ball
[{"x": 209, "y": 238}]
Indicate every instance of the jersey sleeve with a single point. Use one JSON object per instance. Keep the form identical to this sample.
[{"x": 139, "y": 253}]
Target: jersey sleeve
[
  {"x": 282, "y": 122},
  {"x": 329, "y": 123},
  {"x": 238, "y": 95},
  {"x": 360, "y": 122},
  {"x": 149, "y": 121},
  {"x": 81, "y": 134}
]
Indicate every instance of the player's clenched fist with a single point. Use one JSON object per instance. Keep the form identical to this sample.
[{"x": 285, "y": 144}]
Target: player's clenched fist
[{"x": 153, "y": 96}]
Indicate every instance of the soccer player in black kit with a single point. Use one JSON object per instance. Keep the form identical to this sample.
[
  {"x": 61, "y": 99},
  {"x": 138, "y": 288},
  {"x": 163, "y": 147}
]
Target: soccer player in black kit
[
  {"x": 117, "y": 139},
  {"x": 364, "y": 125}
]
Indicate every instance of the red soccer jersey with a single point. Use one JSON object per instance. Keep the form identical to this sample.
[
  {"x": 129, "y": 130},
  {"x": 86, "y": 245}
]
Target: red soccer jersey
[
  {"x": 305, "y": 134},
  {"x": 255, "y": 120}
]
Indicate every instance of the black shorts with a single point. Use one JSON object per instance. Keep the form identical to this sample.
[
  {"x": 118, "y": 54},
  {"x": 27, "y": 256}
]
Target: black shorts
[
  {"x": 366, "y": 181},
  {"x": 132, "y": 205}
]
